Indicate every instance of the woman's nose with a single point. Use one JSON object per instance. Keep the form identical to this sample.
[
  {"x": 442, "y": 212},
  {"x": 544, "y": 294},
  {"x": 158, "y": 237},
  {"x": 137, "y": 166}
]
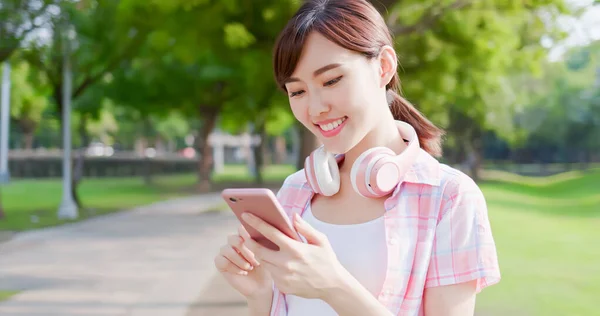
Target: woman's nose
[{"x": 317, "y": 106}]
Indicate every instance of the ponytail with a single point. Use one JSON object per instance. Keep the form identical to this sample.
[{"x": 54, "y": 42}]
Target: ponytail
[{"x": 429, "y": 135}]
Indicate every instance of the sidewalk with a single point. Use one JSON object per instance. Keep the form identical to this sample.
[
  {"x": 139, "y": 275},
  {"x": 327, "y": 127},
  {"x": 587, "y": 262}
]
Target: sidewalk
[
  {"x": 218, "y": 299},
  {"x": 153, "y": 260}
]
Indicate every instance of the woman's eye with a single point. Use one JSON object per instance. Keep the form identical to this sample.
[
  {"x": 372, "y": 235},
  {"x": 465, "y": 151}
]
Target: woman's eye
[
  {"x": 295, "y": 93},
  {"x": 333, "y": 81},
  {"x": 328, "y": 83}
]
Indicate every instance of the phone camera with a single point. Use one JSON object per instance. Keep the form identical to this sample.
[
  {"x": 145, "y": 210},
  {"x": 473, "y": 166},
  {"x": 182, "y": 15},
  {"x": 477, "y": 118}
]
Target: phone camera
[{"x": 232, "y": 199}]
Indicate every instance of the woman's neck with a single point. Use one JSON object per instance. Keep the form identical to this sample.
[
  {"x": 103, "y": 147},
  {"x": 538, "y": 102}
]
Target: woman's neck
[{"x": 384, "y": 135}]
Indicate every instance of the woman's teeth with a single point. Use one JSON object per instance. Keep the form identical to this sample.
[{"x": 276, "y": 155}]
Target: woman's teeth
[{"x": 332, "y": 125}]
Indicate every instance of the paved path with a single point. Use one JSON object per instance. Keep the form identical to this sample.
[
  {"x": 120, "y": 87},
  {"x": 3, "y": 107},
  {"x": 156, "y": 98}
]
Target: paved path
[
  {"x": 218, "y": 299},
  {"x": 154, "y": 260}
]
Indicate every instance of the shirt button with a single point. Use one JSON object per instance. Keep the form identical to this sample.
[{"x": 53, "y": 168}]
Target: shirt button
[{"x": 393, "y": 240}]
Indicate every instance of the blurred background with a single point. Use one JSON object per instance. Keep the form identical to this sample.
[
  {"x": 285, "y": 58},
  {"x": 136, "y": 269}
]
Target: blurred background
[{"x": 163, "y": 100}]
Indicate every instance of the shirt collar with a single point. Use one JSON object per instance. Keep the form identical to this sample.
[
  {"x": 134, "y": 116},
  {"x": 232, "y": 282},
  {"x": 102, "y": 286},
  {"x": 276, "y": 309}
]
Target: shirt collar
[{"x": 425, "y": 170}]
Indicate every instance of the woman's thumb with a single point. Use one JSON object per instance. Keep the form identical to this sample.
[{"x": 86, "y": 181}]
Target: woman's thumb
[{"x": 313, "y": 236}]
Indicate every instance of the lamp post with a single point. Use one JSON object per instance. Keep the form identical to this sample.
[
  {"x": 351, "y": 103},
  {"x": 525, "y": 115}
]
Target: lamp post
[
  {"x": 4, "y": 123},
  {"x": 68, "y": 208}
]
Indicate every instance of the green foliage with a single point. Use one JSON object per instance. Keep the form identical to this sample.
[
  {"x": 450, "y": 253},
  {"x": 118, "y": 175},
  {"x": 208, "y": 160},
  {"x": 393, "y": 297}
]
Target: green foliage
[
  {"x": 222, "y": 64},
  {"x": 101, "y": 34},
  {"x": 470, "y": 56},
  {"x": 104, "y": 124},
  {"x": 18, "y": 18},
  {"x": 171, "y": 127},
  {"x": 470, "y": 66},
  {"x": 565, "y": 113},
  {"x": 237, "y": 36},
  {"x": 29, "y": 93}
]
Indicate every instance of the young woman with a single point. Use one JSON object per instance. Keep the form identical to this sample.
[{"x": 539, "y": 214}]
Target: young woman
[{"x": 389, "y": 230}]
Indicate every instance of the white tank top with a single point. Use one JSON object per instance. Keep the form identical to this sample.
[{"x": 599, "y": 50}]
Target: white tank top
[{"x": 360, "y": 248}]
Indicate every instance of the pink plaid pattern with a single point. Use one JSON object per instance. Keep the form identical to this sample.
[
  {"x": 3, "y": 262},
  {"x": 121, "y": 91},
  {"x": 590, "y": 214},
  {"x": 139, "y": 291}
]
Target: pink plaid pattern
[{"x": 437, "y": 231}]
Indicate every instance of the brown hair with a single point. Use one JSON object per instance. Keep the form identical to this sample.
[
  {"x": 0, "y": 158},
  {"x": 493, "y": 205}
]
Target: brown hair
[{"x": 355, "y": 25}]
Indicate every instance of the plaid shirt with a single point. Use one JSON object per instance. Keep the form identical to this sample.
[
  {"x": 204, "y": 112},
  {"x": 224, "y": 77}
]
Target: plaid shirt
[{"x": 437, "y": 231}]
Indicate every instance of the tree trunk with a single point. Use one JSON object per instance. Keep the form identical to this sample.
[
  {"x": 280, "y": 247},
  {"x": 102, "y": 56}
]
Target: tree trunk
[
  {"x": 28, "y": 128},
  {"x": 139, "y": 146},
  {"x": 58, "y": 99},
  {"x": 205, "y": 161},
  {"x": 147, "y": 131},
  {"x": 258, "y": 151},
  {"x": 28, "y": 140},
  {"x": 159, "y": 145},
  {"x": 281, "y": 150},
  {"x": 266, "y": 151},
  {"x": 588, "y": 159},
  {"x": 308, "y": 143},
  {"x": 474, "y": 163},
  {"x": 78, "y": 165},
  {"x": 474, "y": 148}
]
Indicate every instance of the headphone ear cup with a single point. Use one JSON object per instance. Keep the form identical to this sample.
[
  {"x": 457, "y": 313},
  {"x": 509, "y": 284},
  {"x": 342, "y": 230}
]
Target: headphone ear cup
[
  {"x": 309, "y": 172},
  {"x": 322, "y": 172},
  {"x": 362, "y": 170},
  {"x": 384, "y": 176}
]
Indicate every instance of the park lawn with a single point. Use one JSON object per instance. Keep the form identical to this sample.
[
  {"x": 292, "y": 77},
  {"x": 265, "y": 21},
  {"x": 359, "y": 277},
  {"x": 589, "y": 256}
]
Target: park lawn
[
  {"x": 547, "y": 240},
  {"x": 30, "y": 204},
  {"x": 241, "y": 173},
  {"x": 4, "y": 295}
]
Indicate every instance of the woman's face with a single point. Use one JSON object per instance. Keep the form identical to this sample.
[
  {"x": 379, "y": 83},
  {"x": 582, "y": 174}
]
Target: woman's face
[{"x": 336, "y": 93}]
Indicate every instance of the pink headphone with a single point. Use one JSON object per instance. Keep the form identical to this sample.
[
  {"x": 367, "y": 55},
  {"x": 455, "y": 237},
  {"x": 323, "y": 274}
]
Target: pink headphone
[{"x": 375, "y": 173}]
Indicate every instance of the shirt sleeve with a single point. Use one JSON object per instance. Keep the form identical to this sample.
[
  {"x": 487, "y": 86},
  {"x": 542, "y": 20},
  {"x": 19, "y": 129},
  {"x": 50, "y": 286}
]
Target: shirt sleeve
[{"x": 463, "y": 247}]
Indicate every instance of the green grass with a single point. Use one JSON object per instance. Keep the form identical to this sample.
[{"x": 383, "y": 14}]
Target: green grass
[
  {"x": 4, "y": 295},
  {"x": 30, "y": 204},
  {"x": 547, "y": 233},
  {"x": 240, "y": 173}
]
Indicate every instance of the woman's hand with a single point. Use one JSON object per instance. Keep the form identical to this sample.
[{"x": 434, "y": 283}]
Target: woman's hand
[
  {"x": 241, "y": 269},
  {"x": 309, "y": 270}
]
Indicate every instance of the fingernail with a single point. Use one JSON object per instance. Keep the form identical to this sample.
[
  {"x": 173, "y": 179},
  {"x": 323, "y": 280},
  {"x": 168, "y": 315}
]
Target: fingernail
[{"x": 247, "y": 216}]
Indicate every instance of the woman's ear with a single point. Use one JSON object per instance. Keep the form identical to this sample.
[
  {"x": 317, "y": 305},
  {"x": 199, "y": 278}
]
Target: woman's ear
[{"x": 387, "y": 64}]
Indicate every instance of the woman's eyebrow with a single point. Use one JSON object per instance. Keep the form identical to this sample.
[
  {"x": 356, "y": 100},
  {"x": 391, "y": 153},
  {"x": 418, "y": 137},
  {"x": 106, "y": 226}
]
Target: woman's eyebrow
[
  {"x": 325, "y": 68},
  {"x": 316, "y": 72}
]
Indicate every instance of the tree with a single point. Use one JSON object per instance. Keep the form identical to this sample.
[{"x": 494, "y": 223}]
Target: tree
[
  {"x": 219, "y": 65},
  {"x": 18, "y": 18},
  {"x": 457, "y": 56},
  {"x": 563, "y": 121},
  {"x": 29, "y": 98},
  {"x": 103, "y": 33}
]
